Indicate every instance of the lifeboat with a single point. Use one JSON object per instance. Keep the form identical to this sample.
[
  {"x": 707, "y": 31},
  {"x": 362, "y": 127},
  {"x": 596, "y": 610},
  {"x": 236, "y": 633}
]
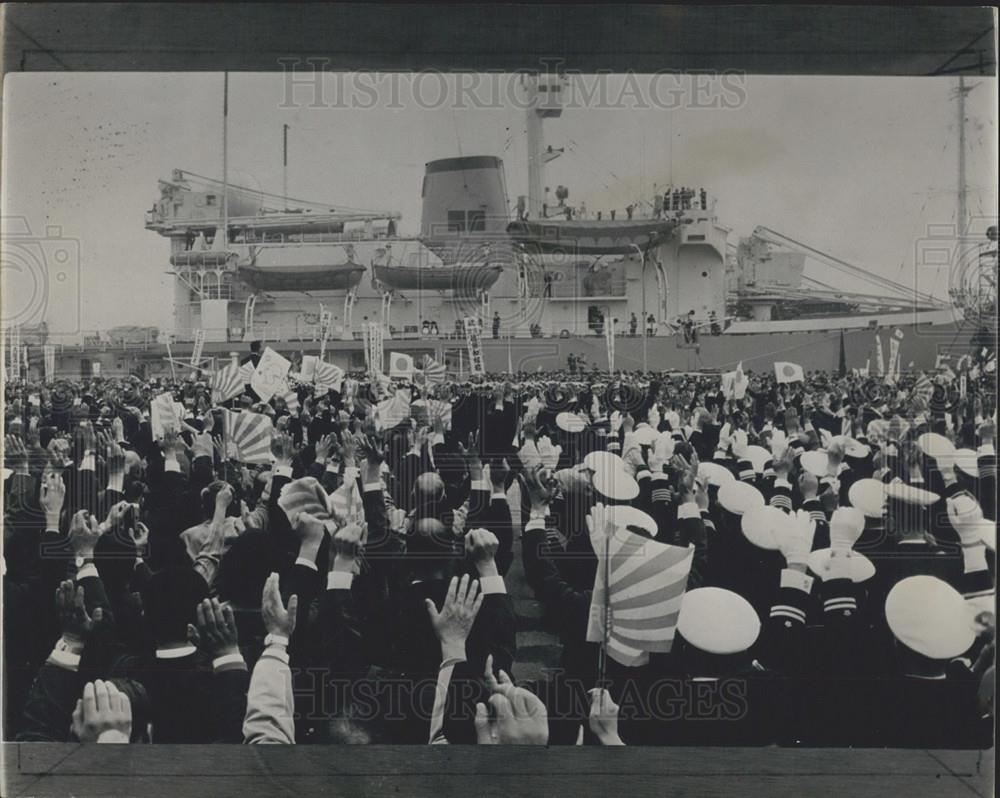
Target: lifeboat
[
  {"x": 465, "y": 279},
  {"x": 591, "y": 237},
  {"x": 313, "y": 277}
]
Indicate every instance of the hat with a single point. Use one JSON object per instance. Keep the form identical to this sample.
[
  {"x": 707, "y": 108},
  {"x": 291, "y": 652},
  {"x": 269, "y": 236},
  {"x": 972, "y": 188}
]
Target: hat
[
  {"x": 758, "y": 525},
  {"x": 644, "y": 436},
  {"x": 757, "y": 455},
  {"x": 966, "y": 515},
  {"x": 856, "y": 449},
  {"x": 625, "y": 516},
  {"x": 966, "y": 461},
  {"x": 718, "y": 621},
  {"x": 739, "y": 497},
  {"x": 934, "y": 445},
  {"x": 746, "y": 470},
  {"x": 603, "y": 461},
  {"x": 815, "y": 462},
  {"x": 715, "y": 474},
  {"x": 615, "y": 484},
  {"x": 908, "y": 494},
  {"x": 930, "y": 617},
  {"x": 570, "y": 422},
  {"x": 828, "y": 563},
  {"x": 868, "y": 495}
]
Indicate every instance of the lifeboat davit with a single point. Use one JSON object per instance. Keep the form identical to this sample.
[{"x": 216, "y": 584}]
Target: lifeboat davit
[
  {"x": 207, "y": 258},
  {"x": 313, "y": 277},
  {"x": 591, "y": 237},
  {"x": 464, "y": 279}
]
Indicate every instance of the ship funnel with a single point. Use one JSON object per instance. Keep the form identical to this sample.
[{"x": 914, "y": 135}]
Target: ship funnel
[{"x": 464, "y": 195}]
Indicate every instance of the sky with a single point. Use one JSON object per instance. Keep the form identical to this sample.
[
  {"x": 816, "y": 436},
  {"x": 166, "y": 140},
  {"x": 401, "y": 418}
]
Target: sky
[{"x": 862, "y": 168}]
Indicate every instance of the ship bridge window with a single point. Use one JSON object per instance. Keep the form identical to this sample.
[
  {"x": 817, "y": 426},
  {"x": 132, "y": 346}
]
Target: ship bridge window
[{"x": 210, "y": 199}]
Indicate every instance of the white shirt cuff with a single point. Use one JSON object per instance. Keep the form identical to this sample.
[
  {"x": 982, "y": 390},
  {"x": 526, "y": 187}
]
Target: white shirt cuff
[
  {"x": 86, "y": 570},
  {"x": 351, "y": 473},
  {"x": 481, "y": 484},
  {"x": 227, "y": 659},
  {"x": 112, "y": 736},
  {"x": 88, "y": 463},
  {"x": 116, "y": 482},
  {"x": 283, "y": 471},
  {"x": 688, "y": 510},
  {"x": 492, "y": 584},
  {"x": 339, "y": 580},
  {"x": 437, "y": 439},
  {"x": 372, "y": 487},
  {"x": 305, "y": 561},
  {"x": 986, "y": 448},
  {"x": 64, "y": 659},
  {"x": 782, "y": 483},
  {"x": 534, "y": 525},
  {"x": 171, "y": 465},
  {"x": 499, "y": 496}
]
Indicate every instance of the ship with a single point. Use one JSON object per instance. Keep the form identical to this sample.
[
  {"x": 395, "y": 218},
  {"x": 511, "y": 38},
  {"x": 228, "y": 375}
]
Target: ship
[{"x": 546, "y": 280}]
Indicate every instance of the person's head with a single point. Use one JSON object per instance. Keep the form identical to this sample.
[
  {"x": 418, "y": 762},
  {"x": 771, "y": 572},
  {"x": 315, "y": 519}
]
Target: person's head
[
  {"x": 255, "y": 347},
  {"x": 169, "y": 601}
]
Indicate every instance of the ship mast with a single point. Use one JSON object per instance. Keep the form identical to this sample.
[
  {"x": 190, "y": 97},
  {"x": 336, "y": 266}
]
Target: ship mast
[
  {"x": 225, "y": 159},
  {"x": 962, "y": 183},
  {"x": 544, "y": 100}
]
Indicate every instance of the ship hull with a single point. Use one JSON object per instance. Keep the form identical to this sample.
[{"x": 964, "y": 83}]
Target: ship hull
[{"x": 814, "y": 350}]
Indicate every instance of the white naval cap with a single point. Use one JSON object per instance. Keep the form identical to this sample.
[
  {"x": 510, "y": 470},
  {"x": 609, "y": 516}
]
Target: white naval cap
[
  {"x": 846, "y": 526},
  {"x": 626, "y": 516},
  {"x": 966, "y": 460},
  {"x": 934, "y": 445},
  {"x": 899, "y": 491},
  {"x": 840, "y": 564},
  {"x": 570, "y": 422},
  {"x": 718, "y": 621},
  {"x": 759, "y": 525},
  {"x": 615, "y": 484},
  {"x": 816, "y": 462},
  {"x": 715, "y": 474},
  {"x": 600, "y": 461},
  {"x": 929, "y": 616},
  {"x": 758, "y": 457},
  {"x": 868, "y": 495},
  {"x": 739, "y": 497},
  {"x": 644, "y": 436}
]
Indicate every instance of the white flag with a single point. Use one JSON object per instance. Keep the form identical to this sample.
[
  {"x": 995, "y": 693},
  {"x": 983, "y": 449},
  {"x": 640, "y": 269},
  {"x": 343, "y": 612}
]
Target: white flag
[
  {"x": 400, "y": 366},
  {"x": 270, "y": 374}
]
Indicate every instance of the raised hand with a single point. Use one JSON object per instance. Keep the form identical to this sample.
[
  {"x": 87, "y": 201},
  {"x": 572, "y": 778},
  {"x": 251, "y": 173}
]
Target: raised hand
[
  {"x": 540, "y": 489},
  {"x": 278, "y": 619},
  {"x": 74, "y": 621},
  {"x": 604, "y": 717},
  {"x": 481, "y": 547},
  {"x": 53, "y": 494},
  {"x": 454, "y": 622},
  {"x": 324, "y": 446},
  {"x": 515, "y": 716},
  {"x": 16, "y": 454},
  {"x": 84, "y": 532},
  {"x": 795, "y": 539},
  {"x": 102, "y": 715},
  {"x": 808, "y": 485},
  {"x": 215, "y": 632}
]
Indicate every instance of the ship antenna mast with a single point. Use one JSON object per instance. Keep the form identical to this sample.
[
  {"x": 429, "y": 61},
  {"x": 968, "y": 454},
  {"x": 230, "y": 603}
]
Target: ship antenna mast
[
  {"x": 225, "y": 158},
  {"x": 962, "y": 184}
]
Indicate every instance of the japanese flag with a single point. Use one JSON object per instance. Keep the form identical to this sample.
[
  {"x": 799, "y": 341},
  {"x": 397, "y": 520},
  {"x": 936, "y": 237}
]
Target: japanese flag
[
  {"x": 400, "y": 365},
  {"x": 788, "y": 372}
]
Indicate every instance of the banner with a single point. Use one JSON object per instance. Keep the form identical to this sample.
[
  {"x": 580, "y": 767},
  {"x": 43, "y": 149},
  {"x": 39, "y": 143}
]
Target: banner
[
  {"x": 891, "y": 374},
  {"x": 49, "y": 358},
  {"x": 473, "y": 337},
  {"x": 14, "y": 352},
  {"x": 163, "y": 415},
  {"x": 879, "y": 361},
  {"x": 196, "y": 350},
  {"x": 374, "y": 347},
  {"x": 270, "y": 374},
  {"x": 325, "y": 323},
  {"x": 609, "y": 340}
]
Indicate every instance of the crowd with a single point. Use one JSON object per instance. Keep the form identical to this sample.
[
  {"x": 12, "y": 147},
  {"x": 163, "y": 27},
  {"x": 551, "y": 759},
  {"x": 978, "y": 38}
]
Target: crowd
[{"x": 353, "y": 589}]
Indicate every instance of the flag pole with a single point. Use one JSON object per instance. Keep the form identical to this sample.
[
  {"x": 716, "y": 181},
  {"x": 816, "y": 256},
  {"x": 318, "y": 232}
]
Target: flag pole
[{"x": 602, "y": 662}]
